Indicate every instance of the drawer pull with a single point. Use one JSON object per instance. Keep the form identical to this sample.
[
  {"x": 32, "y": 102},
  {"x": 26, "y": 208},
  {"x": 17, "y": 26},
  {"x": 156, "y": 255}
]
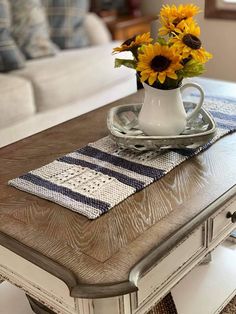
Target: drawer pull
[{"x": 232, "y": 216}]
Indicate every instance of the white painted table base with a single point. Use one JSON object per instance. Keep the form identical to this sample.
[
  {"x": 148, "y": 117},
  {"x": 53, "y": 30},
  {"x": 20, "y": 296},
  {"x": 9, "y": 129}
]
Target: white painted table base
[
  {"x": 54, "y": 294},
  {"x": 188, "y": 294},
  {"x": 208, "y": 288}
]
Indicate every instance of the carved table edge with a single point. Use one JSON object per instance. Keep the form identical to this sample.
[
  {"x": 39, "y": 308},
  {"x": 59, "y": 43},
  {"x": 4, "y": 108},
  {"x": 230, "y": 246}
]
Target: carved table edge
[
  {"x": 94, "y": 291},
  {"x": 39, "y": 260},
  {"x": 97, "y": 291}
]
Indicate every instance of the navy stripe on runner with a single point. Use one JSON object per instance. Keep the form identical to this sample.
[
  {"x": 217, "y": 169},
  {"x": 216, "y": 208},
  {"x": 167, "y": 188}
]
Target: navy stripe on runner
[
  {"x": 103, "y": 206},
  {"x": 121, "y": 162},
  {"x": 194, "y": 151},
  {"x": 136, "y": 184},
  {"x": 188, "y": 152},
  {"x": 223, "y": 116},
  {"x": 228, "y": 127},
  {"x": 223, "y": 99}
]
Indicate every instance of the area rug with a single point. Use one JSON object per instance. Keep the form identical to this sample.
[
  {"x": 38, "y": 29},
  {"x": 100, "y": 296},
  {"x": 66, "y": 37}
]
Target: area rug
[
  {"x": 165, "y": 306},
  {"x": 230, "y": 307}
]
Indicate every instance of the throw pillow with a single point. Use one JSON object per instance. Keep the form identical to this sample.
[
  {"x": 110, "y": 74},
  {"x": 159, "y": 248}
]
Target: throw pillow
[
  {"x": 10, "y": 55},
  {"x": 30, "y": 28},
  {"x": 66, "y": 19}
]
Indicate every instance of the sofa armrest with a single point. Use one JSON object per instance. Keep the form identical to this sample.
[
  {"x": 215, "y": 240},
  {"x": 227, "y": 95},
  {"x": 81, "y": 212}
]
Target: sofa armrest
[{"x": 96, "y": 29}]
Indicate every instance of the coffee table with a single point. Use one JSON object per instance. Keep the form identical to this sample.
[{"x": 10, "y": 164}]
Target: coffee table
[{"x": 128, "y": 259}]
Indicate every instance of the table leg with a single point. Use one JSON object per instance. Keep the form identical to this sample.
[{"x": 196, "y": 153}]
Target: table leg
[
  {"x": 207, "y": 259},
  {"x": 37, "y": 307}
]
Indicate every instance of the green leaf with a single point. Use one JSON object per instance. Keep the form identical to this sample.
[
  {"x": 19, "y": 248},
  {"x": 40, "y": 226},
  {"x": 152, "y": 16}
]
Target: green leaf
[
  {"x": 162, "y": 41},
  {"x": 191, "y": 68},
  {"x": 125, "y": 62}
]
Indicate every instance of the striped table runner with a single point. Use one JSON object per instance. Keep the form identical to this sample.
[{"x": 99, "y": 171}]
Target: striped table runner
[{"x": 95, "y": 178}]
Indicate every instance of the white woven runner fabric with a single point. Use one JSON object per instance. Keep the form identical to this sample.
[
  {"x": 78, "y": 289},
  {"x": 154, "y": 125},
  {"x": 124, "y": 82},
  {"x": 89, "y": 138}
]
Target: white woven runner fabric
[{"x": 95, "y": 178}]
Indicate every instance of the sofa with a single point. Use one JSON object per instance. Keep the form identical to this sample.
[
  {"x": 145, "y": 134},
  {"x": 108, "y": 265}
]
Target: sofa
[{"x": 51, "y": 90}]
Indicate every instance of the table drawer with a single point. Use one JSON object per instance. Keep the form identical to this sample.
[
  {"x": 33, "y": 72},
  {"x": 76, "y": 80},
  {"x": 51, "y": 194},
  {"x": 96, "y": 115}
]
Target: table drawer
[
  {"x": 220, "y": 223},
  {"x": 171, "y": 264}
]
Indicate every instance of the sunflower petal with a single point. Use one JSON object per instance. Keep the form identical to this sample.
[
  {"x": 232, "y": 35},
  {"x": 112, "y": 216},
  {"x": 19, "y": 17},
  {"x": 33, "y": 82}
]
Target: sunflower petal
[
  {"x": 152, "y": 78},
  {"x": 172, "y": 75},
  {"x": 162, "y": 77}
]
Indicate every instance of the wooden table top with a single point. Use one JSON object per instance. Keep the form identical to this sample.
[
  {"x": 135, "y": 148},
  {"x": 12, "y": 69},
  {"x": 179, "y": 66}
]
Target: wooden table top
[{"x": 95, "y": 258}]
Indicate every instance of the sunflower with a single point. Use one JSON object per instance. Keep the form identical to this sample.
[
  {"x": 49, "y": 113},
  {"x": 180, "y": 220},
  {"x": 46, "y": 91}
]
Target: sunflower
[
  {"x": 157, "y": 62},
  {"x": 134, "y": 43},
  {"x": 171, "y": 17},
  {"x": 188, "y": 44}
]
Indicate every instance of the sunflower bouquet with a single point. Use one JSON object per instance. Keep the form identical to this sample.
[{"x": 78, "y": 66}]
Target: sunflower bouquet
[{"x": 177, "y": 53}]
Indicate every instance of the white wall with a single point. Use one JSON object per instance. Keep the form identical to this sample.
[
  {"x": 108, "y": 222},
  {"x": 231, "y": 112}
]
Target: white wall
[
  {"x": 218, "y": 37},
  {"x": 151, "y": 6}
]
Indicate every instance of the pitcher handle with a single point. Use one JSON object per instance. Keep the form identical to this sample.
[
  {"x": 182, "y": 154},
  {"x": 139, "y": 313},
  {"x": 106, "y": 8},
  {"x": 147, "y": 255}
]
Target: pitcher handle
[{"x": 199, "y": 105}]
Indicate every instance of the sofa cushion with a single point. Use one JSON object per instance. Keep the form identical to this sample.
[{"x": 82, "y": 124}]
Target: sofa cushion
[
  {"x": 66, "y": 19},
  {"x": 30, "y": 28},
  {"x": 73, "y": 75},
  {"x": 17, "y": 102},
  {"x": 101, "y": 35},
  {"x": 10, "y": 56}
]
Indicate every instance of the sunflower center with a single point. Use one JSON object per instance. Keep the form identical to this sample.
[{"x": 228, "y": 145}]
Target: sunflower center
[
  {"x": 160, "y": 63},
  {"x": 192, "y": 41},
  {"x": 129, "y": 41}
]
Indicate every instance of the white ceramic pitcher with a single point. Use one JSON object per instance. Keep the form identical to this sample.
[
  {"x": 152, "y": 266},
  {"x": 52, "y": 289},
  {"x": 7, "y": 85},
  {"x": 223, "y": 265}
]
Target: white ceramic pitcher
[{"x": 163, "y": 112}]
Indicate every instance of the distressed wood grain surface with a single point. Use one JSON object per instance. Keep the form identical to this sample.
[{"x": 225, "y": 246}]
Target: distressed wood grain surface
[{"x": 104, "y": 251}]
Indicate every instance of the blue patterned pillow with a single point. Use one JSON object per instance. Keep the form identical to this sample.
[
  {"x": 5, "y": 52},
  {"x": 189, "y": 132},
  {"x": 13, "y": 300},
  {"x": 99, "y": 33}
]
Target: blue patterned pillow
[
  {"x": 10, "y": 56},
  {"x": 66, "y": 22},
  {"x": 30, "y": 28}
]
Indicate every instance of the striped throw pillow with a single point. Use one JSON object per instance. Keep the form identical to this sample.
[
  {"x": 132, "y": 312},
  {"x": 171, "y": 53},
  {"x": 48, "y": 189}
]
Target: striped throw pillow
[
  {"x": 66, "y": 19},
  {"x": 10, "y": 56},
  {"x": 30, "y": 28}
]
